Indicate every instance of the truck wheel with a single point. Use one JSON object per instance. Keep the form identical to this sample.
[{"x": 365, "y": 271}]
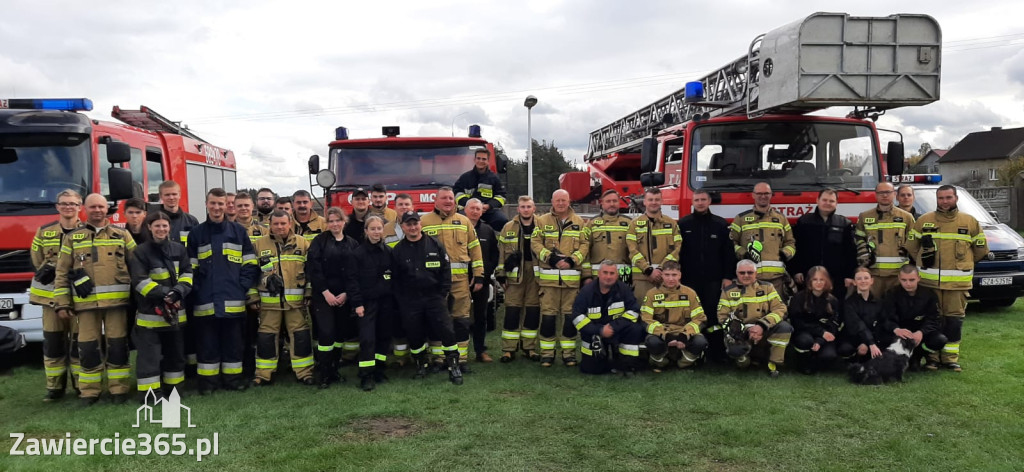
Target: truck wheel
[{"x": 998, "y": 302}]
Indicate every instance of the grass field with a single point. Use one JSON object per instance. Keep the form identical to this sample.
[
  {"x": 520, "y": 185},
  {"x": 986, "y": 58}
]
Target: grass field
[{"x": 523, "y": 417}]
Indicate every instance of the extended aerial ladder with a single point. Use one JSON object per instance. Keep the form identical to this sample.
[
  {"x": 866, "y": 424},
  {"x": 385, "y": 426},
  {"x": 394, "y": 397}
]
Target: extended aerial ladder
[{"x": 824, "y": 60}]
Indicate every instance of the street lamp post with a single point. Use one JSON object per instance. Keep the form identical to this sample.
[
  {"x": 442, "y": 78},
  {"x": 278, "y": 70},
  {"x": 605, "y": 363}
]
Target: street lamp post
[{"x": 529, "y": 104}]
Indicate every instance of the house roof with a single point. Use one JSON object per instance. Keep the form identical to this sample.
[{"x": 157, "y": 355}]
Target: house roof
[
  {"x": 939, "y": 152},
  {"x": 981, "y": 145}
]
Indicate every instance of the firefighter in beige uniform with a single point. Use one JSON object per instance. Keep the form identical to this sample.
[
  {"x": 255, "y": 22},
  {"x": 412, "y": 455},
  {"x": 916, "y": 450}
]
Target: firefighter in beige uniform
[
  {"x": 946, "y": 243},
  {"x": 379, "y": 207},
  {"x": 754, "y": 319},
  {"x": 653, "y": 239},
  {"x": 607, "y": 236},
  {"x": 283, "y": 293},
  {"x": 763, "y": 235},
  {"x": 881, "y": 235},
  {"x": 455, "y": 232},
  {"x": 60, "y": 346},
  {"x": 516, "y": 272},
  {"x": 560, "y": 247},
  {"x": 308, "y": 223},
  {"x": 92, "y": 283}
]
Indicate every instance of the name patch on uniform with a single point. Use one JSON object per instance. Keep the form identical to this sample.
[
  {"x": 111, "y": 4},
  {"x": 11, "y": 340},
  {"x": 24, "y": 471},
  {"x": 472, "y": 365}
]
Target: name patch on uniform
[
  {"x": 575, "y": 227},
  {"x": 49, "y": 234},
  {"x": 623, "y": 223},
  {"x": 432, "y": 232},
  {"x": 456, "y": 222},
  {"x": 433, "y": 264},
  {"x": 869, "y": 220},
  {"x": 734, "y": 294},
  {"x": 298, "y": 252},
  {"x": 641, "y": 222},
  {"x": 659, "y": 296},
  {"x": 928, "y": 225},
  {"x": 599, "y": 222},
  {"x": 235, "y": 259},
  {"x": 78, "y": 236},
  {"x": 666, "y": 225},
  {"x": 760, "y": 293},
  {"x": 265, "y": 252},
  {"x": 775, "y": 220},
  {"x": 510, "y": 233},
  {"x": 898, "y": 219},
  {"x": 961, "y": 230},
  {"x": 749, "y": 218},
  {"x": 548, "y": 227}
]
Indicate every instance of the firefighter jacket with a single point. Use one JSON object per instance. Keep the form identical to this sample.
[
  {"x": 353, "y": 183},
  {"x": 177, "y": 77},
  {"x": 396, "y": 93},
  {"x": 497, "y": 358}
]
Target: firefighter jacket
[
  {"x": 285, "y": 257},
  {"x": 308, "y": 230},
  {"x": 959, "y": 243},
  {"x": 224, "y": 268},
  {"x": 515, "y": 240},
  {"x": 705, "y": 253},
  {"x": 885, "y": 233},
  {"x": 673, "y": 311},
  {"x": 555, "y": 239},
  {"x": 263, "y": 218},
  {"x": 917, "y": 312},
  {"x": 457, "y": 236},
  {"x": 607, "y": 235},
  {"x": 421, "y": 268},
  {"x": 485, "y": 187},
  {"x": 182, "y": 223},
  {"x": 157, "y": 268},
  {"x": 755, "y": 303},
  {"x": 651, "y": 242},
  {"x": 254, "y": 229},
  {"x": 825, "y": 242},
  {"x": 44, "y": 251},
  {"x": 815, "y": 315},
  {"x": 103, "y": 254},
  {"x": 913, "y": 212},
  {"x": 393, "y": 233},
  {"x": 331, "y": 265},
  {"x": 374, "y": 263},
  {"x": 776, "y": 237},
  {"x": 488, "y": 248},
  {"x": 592, "y": 310},
  {"x": 864, "y": 321}
]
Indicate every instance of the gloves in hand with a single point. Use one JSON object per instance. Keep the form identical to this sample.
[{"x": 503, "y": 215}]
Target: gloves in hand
[
  {"x": 46, "y": 274},
  {"x": 82, "y": 283},
  {"x": 754, "y": 249},
  {"x": 274, "y": 284}
]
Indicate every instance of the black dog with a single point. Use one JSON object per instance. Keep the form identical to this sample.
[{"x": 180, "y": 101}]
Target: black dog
[{"x": 890, "y": 366}]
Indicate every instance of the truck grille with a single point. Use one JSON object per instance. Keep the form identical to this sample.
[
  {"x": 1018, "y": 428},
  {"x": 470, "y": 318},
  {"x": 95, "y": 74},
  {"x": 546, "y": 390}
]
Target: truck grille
[
  {"x": 1004, "y": 255},
  {"x": 15, "y": 261}
]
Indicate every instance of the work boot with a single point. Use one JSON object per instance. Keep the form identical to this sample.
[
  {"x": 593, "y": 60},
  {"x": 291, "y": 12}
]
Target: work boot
[
  {"x": 421, "y": 366},
  {"x": 569, "y": 361},
  {"x": 366, "y": 382},
  {"x": 931, "y": 366},
  {"x": 547, "y": 361},
  {"x": 454, "y": 372},
  {"x": 119, "y": 398},
  {"x": 86, "y": 402},
  {"x": 308, "y": 381},
  {"x": 954, "y": 367},
  {"x": 334, "y": 367},
  {"x": 379, "y": 376},
  {"x": 773, "y": 370},
  {"x": 534, "y": 356},
  {"x": 53, "y": 395},
  {"x": 507, "y": 357}
]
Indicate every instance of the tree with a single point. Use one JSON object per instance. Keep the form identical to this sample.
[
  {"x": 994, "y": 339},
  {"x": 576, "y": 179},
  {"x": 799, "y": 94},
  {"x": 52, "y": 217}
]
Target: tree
[
  {"x": 1008, "y": 172},
  {"x": 548, "y": 164}
]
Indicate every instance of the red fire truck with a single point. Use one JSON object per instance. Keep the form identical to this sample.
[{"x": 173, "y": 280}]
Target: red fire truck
[
  {"x": 47, "y": 145},
  {"x": 754, "y": 120},
  {"x": 414, "y": 165}
]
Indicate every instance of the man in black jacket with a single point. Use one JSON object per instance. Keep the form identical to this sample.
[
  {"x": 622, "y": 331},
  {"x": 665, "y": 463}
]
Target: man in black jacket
[
  {"x": 481, "y": 306},
  {"x": 422, "y": 270},
  {"x": 482, "y": 184},
  {"x": 912, "y": 312},
  {"x": 825, "y": 238},
  {"x": 706, "y": 254}
]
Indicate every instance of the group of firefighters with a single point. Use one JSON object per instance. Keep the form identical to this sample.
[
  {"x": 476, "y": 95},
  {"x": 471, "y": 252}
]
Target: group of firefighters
[{"x": 380, "y": 285}]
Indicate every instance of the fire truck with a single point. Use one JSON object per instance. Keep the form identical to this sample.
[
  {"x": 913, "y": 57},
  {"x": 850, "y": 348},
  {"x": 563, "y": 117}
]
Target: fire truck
[
  {"x": 48, "y": 145},
  {"x": 417, "y": 166},
  {"x": 760, "y": 118}
]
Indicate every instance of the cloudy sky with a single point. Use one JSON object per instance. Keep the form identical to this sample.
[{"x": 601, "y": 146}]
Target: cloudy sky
[{"x": 271, "y": 80}]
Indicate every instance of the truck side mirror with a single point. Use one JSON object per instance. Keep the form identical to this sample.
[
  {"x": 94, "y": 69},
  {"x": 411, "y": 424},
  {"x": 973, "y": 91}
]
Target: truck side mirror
[
  {"x": 894, "y": 158},
  {"x": 121, "y": 186},
  {"x": 314, "y": 164},
  {"x": 118, "y": 152},
  {"x": 648, "y": 155},
  {"x": 652, "y": 179}
]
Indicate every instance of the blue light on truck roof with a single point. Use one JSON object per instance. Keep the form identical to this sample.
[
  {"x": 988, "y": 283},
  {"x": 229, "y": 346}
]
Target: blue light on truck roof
[
  {"x": 935, "y": 178},
  {"x": 65, "y": 104},
  {"x": 474, "y": 131},
  {"x": 694, "y": 92},
  {"x": 340, "y": 133}
]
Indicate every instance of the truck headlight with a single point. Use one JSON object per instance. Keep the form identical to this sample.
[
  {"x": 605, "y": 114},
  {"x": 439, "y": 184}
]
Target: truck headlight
[{"x": 1020, "y": 253}]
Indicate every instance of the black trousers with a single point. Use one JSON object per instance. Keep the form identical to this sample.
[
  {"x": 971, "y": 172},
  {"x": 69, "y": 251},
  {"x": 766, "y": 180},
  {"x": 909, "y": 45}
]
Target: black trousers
[
  {"x": 479, "y": 313},
  {"x": 160, "y": 352},
  {"x": 610, "y": 356},
  {"x": 425, "y": 316},
  {"x": 495, "y": 218},
  {"x": 334, "y": 324},
  {"x": 375, "y": 333},
  {"x": 821, "y": 359},
  {"x": 219, "y": 350},
  {"x": 709, "y": 292}
]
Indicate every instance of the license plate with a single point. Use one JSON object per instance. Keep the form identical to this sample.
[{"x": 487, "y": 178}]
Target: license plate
[
  {"x": 6, "y": 303},
  {"x": 997, "y": 281}
]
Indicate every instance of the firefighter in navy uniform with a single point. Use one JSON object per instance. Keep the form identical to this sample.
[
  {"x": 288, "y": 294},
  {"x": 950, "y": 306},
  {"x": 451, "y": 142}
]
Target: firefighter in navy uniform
[
  {"x": 482, "y": 307},
  {"x": 284, "y": 292},
  {"x": 421, "y": 268},
  {"x": 607, "y": 316},
  {"x": 912, "y": 312},
  {"x": 484, "y": 185},
  {"x": 674, "y": 319},
  {"x": 516, "y": 272},
  {"x": 707, "y": 258},
  {"x": 92, "y": 282},
  {"x": 753, "y": 317},
  {"x": 224, "y": 268},
  {"x": 825, "y": 238},
  {"x": 161, "y": 279},
  {"x": 60, "y": 343},
  {"x": 946, "y": 243},
  {"x": 374, "y": 304},
  {"x": 652, "y": 240},
  {"x": 764, "y": 236}
]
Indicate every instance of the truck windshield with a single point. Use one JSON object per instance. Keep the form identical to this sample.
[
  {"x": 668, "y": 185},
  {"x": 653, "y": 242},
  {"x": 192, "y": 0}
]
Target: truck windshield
[
  {"x": 35, "y": 168},
  {"x": 789, "y": 155},
  {"x": 401, "y": 167}
]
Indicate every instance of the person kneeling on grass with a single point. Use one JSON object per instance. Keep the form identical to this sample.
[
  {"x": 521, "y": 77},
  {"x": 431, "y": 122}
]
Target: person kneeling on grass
[
  {"x": 753, "y": 316},
  {"x": 607, "y": 317},
  {"x": 814, "y": 313},
  {"x": 912, "y": 312},
  {"x": 863, "y": 330},
  {"x": 674, "y": 319}
]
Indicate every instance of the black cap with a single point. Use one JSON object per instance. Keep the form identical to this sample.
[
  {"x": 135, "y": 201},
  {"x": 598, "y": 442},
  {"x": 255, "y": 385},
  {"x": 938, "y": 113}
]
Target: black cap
[
  {"x": 360, "y": 191},
  {"x": 410, "y": 216}
]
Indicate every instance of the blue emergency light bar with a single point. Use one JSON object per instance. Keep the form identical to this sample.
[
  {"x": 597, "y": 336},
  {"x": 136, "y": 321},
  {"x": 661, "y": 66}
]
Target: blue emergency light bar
[
  {"x": 340, "y": 133},
  {"x": 474, "y": 131},
  {"x": 64, "y": 104},
  {"x": 694, "y": 92}
]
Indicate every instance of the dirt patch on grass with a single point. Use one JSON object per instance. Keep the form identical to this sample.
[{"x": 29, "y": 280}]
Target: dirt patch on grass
[
  {"x": 513, "y": 393},
  {"x": 379, "y": 428}
]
